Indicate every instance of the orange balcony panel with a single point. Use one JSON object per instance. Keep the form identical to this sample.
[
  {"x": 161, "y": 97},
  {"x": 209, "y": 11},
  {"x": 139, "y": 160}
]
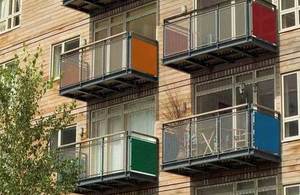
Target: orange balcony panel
[{"x": 144, "y": 57}]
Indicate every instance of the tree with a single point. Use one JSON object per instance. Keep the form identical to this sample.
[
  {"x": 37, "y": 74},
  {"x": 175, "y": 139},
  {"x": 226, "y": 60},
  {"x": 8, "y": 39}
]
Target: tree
[{"x": 27, "y": 166}]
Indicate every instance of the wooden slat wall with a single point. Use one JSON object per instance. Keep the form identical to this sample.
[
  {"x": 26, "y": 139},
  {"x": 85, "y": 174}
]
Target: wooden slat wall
[
  {"x": 47, "y": 22},
  {"x": 289, "y": 61}
]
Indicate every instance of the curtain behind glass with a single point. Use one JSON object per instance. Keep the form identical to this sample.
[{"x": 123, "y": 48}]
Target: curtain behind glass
[{"x": 3, "y": 14}]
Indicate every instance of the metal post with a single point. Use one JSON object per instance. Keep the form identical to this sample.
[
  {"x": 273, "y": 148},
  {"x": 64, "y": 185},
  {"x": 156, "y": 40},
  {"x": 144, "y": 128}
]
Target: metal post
[
  {"x": 218, "y": 25},
  {"x": 127, "y": 137},
  {"x": 190, "y": 33},
  {"x": 190, "y": 138},
  {"x": 248, "y": 18},
  {"x": 81, "y": 65},
  {"x": 102, "y": 157}
]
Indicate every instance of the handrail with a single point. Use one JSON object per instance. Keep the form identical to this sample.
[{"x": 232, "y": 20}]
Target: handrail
[
  {"x": 89, "y": 44},
  {"x": 205, "y": 113},
  {"x": 221, "y": 110},
  {"x": 126, "y": 133},
  {"x": 212, "y": 8},
  {"x": 128, "y": 33}
]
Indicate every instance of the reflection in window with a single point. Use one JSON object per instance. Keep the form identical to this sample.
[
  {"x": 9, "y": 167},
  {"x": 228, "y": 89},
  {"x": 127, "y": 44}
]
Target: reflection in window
[
  {"x": 290, "y": 95},
  {"x": 214, "y": 101}
]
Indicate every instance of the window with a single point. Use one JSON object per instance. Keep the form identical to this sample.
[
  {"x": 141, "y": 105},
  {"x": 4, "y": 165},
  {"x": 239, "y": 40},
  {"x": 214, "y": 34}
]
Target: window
[
  {"x": 292, "y": 190},
  {"x": 10, "y": 12},
  {"x": 64, "y": 137},
  {"x": 133, "y": 116},
  {"x": 289, "y": 14},
  {"x": 59, "y": 49},
  {"x": 291, "y": 109},
  {"x": 251, "y": 87},
  {"x": 261, "y": 186},
  {"x": 141, "y": 21}
]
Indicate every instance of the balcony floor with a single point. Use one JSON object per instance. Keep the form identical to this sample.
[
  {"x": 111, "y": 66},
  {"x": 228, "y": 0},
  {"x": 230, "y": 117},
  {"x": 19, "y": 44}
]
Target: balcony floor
[
  {"x": 104, "y": 86},
  {"x": 219, "y": 54},
  {"x": 114, "y": 180},
  {"x": 227, "y": 161}
]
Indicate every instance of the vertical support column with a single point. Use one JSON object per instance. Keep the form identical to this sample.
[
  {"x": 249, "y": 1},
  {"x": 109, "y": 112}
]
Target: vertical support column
[
  {"x": 102, "y": 156},
  {"x": 190, "y": 137}
]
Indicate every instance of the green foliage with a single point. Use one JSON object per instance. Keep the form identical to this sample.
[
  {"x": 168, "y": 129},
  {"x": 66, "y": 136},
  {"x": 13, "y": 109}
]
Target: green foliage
[{"x": 27, "y": 166}]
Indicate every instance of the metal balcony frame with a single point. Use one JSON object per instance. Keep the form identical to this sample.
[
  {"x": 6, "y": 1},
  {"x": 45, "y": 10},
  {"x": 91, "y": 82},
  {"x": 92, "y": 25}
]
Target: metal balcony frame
[
  {"x": 125, "y": 177},
  {"x": 113, "y": 76},
  {"x": 192, "y": 165},
  {"x": 187, "y": 56}
]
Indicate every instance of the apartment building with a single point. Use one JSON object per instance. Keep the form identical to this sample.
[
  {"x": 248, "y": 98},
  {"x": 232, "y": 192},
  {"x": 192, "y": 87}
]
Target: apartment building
[{"x": 195, "y": 97}]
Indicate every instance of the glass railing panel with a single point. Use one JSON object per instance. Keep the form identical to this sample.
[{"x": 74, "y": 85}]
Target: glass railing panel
[
  {"x": 95, "y": 152},
  {"x": 70, "y": 69},
  {"x": 225, "y": 24},
  {"x": 100, "y": 60},
  {"x": 177, "y": 37},
  {"x": 116, "y": 48},
  {"x": 240, "y": 19},
  {"x": 114, "y": 154},
  {"x": 204, "y": 137},
  {"x": 176, "y": 141},
  {"x": 204, "y": 29},
  {"x": 226, "y": 133},
  {"x": 242, "y": 131}
]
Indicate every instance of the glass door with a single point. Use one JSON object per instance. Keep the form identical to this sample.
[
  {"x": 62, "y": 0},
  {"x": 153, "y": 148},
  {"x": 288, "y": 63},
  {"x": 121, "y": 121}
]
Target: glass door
[
  {"x": 100, "y": 53},
  {"x": 114, "y": 143},
  {"x": 98, "y": 129}
]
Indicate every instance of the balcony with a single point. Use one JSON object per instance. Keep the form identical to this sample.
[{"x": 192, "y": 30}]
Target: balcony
[
  {"x": 116, "y": 160},
  {"x": 89, "y": 6},
  {"x": 224, "y": 139},
  {"x": 220, "y": 35},
  {"x": 109, "y": 66}
]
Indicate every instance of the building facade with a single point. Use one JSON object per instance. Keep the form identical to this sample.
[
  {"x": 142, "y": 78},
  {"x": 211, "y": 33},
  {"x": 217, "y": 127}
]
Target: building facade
[{"x": 197, "y": 97}]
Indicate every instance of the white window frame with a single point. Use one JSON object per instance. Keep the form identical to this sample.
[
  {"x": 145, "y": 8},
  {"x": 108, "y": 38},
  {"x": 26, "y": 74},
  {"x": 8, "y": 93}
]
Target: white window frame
[
  {"x": 59, "y": 136},
  {"x": 125, "y": 19},
  {"x": 291, "y": 118},
  {"x": 290, "y": 186},
  {"x": 11, "y": 17},
  {"x": 256, "y": 190},
  {"x": 295, "y": 10},
  {"x": 122, "y": 112},
  {"x": 62, "y": 43},
  {"x": 235, "y": 84}
]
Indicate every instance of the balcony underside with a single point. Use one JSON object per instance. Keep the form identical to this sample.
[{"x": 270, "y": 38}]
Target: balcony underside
[
  {"x": 89, "y": 6},
  {"x": 219, "y": 54},
  {"x": 225, "y": 161},
  {"x": 107, "y": 85},
  {"x": 115, "y": 180}
]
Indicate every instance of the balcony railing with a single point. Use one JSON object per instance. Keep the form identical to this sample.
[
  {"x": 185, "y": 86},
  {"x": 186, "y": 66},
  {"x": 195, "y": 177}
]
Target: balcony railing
[
  {"x": 108, "y": 66},
  {"x": 220, "y": 35},
  {"x": 128, "y": 156},
  {"x": 236, "y": 135}
]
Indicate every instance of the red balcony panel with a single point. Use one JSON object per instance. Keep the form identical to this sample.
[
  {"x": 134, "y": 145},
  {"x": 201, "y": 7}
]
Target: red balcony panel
[{"x": 264, "y": 22}]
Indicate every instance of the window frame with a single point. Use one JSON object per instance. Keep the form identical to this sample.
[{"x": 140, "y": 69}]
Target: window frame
[
  {"x": 122, "y": 112},
  {"x": 295, "y": 9},
  {"x": 234, "y": 184},
  {"x": 290, "y": 186},
  {"x": 12, "y": 16},
  {"x": 125, "y": 19},
  {"x": 234, "y": 84},
  {"x": 290, "y": 118},
  {"x": 62, "y": 43}
]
